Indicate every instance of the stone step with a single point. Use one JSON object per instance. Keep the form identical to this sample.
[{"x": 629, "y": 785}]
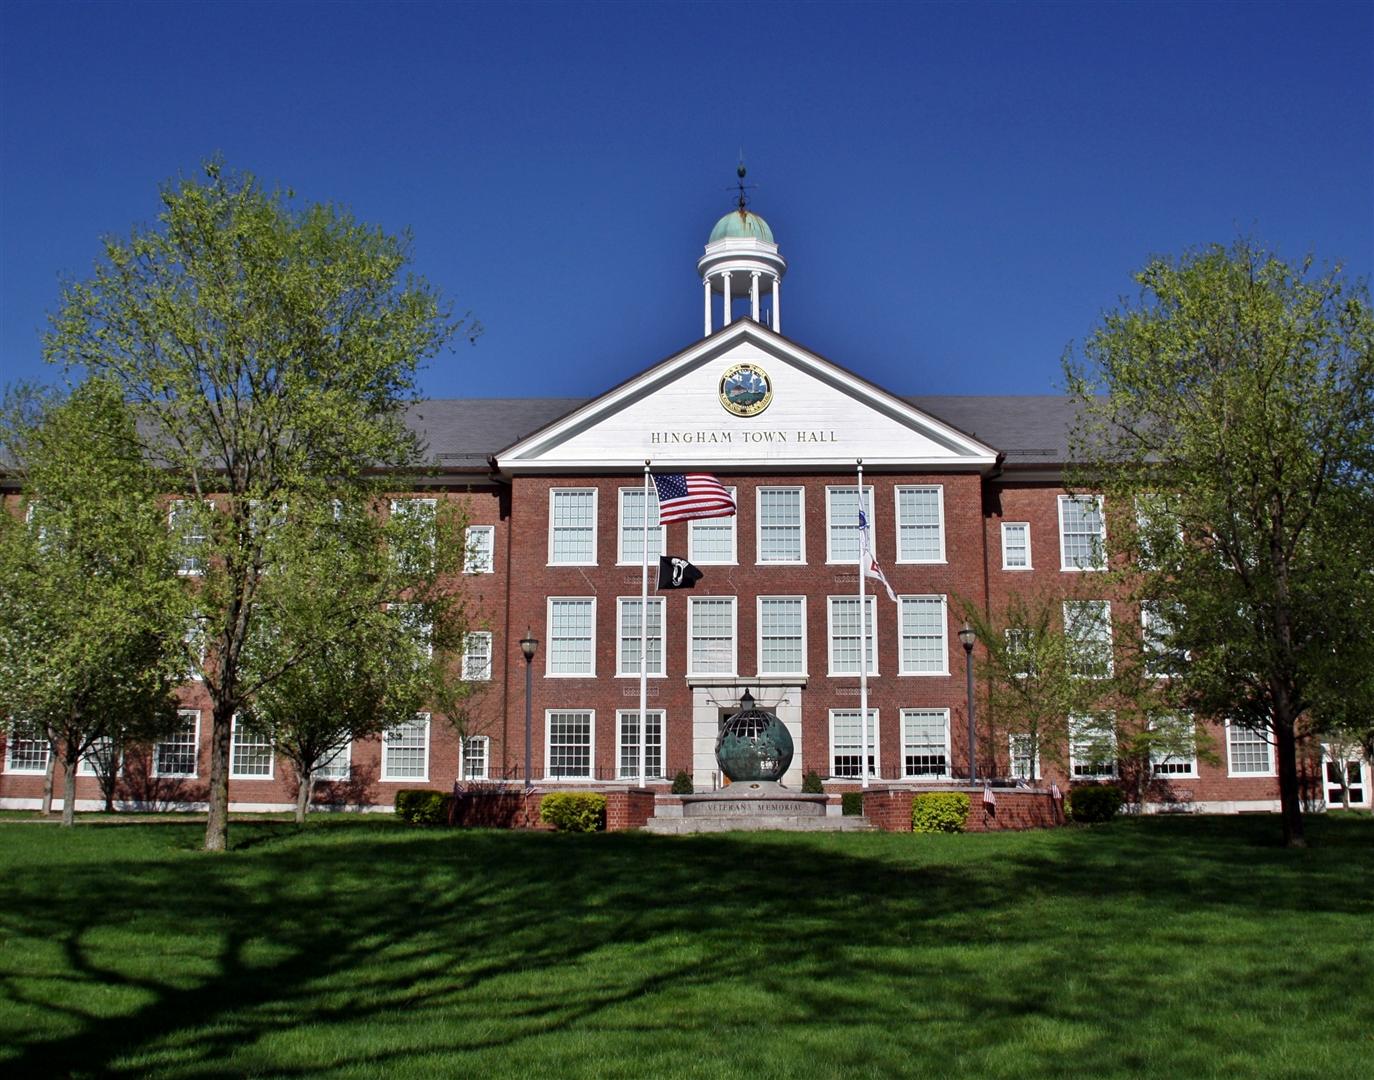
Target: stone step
[{"x": 678, "y": 826}]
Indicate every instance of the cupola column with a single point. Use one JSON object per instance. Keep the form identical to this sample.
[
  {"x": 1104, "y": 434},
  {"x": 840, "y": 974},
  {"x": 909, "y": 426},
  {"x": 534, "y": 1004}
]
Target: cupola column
[
  {"x": 777, "y": 310},
  {"x": 725, "y": 290},
  {"x": 754, "y": 294},
  {"x": 706, "y": 303}
]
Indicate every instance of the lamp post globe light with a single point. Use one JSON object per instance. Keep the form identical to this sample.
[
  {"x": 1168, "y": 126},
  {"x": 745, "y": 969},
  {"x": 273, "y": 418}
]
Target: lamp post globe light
[
  {"x": 966, "y": 639},
  {"x": 529, "y": 645}
]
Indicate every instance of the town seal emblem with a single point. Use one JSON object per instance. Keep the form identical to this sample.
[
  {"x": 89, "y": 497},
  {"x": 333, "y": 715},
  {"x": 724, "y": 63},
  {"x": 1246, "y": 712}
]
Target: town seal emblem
[{"x": 745, "y": 390}]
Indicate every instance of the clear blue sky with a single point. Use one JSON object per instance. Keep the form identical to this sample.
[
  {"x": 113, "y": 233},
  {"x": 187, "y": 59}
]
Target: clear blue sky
[{"x": 960, "y": 189}]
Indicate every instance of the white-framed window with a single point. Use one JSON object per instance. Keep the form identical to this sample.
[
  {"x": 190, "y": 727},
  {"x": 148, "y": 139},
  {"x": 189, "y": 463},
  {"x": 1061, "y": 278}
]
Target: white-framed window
[
  {"x": 1025, "y": 756},
  {"x": 1088, "y": 637},
  {"x": 628, "y": 725},
  {"x": 405, "y": 750},
  {"x": 1020, "y": 651},
  {"x": 631, "y": 548},
  {"x": 572, "y": 527},
  {"x": 175, "y": 756},
  {"x": 711, "y": 541},
  {"x": 477, "y": 655},
  {"x": 924, "y": 627},
  {"x": 847, "y": 647},
  {"x": 711, "y": 635},
  {"x": 781, "y": 525},
  {"x": 250, "y": 754},
  {"x": 1156, "y": 631},
  {"x": 628, "y": 638},
  {"x": 1016, "y": 549},
  {"x": 842, "y": 523},
  {"x": 26, "y": 750},
  {"x": 1092, "y": 747},
  {"x": 189, "y": 527},
  {"x": 572, "y": 626},
  {"x": 782, "y": 635},
  {"x": 1248, "y": 752},
  {"x": 416, "y": 554},
  {"x": 98, "y": 758},
  {"x": 925, "y": 742},
  {"x": 846, "y": 742},
  {"x": 920, "y": 524},
  {"x": 1175, "y": 754},
  {"x": 570, "y": 737},
  {"x": 1155, "y": 514},
  {"x": 480, "y": 554},
  {"x": 194, "y": 637},
  {"x": 1082, "y": 533},
  {"x": 338, "y": 765},
  {"x": 476, "y": 757},
  {"x": 415, "y": 620}
]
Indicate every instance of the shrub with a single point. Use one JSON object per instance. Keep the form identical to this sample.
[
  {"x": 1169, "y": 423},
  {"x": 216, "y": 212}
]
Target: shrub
[
  {"x": 574, "y": 811},
  {"x": 811, "y": 784},
  {"x": 939, "y": 811},
  {"x": 421, "y": 807},
  {"x": 682, "y": 783},
  {"x": 1096, "y": 802},
  {"x": 852, "y": 802}
]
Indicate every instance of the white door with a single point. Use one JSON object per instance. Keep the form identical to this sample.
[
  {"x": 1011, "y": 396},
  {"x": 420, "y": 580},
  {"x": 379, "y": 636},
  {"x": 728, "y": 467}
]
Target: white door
[{"x": 1357, "y": 781}]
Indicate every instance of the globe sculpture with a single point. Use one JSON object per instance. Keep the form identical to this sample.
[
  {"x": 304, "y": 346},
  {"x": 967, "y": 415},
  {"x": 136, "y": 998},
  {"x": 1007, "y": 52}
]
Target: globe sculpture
[{"x": 753, "y": 744}]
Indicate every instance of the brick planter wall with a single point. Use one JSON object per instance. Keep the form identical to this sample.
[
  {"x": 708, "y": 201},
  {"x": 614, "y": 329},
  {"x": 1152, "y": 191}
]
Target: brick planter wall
[
  {"x": 516, "y": 810},
  {"x": 628, "y": 809},
  {"x": 889, "y": 809}
]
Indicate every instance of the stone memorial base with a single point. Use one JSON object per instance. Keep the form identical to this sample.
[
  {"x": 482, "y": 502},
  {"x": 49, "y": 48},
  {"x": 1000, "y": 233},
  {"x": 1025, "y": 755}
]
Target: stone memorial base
[{"x": 750, "y": 805}]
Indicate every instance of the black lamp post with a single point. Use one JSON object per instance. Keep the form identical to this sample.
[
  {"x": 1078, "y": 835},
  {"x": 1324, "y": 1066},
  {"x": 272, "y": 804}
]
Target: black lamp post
[
  {"x": 966, "y": 639},
  {"x": 529, "y": 644}
]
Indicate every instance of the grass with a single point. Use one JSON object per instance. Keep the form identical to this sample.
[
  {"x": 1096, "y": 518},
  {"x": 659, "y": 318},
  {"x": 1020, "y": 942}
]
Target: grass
[{"x": 1189, "y": 947}]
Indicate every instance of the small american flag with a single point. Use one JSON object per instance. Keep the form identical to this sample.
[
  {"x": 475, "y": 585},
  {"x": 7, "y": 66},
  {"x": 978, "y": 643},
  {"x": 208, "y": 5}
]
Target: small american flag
[
  {"x": 1055, "y": 793},
  {"x": 989, "y": 799},
  {"x": 693, "y": 495}
]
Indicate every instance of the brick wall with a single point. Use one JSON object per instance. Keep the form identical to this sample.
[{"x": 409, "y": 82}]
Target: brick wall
[{"x": 890, "y": 810}]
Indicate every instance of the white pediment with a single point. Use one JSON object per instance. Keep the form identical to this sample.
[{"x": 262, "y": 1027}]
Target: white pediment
[{"x": 820, "y": 416}]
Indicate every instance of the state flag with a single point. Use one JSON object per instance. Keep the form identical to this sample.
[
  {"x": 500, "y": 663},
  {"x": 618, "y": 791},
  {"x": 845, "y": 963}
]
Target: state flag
[{"x": 866, "y": 559}]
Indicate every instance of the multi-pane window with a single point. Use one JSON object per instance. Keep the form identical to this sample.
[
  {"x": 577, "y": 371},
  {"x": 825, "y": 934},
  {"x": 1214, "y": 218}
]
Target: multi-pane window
[
  {"x": 194, "y": 638},
  {"x": 27, "y": 751},
  {"x": 337, "y": 765},
  {"x": 1088, "y": 637},
  {"x": 1020, "y": 651},
  {"x": 572, "y": 527},
  {"x": 842, "y": 507},
  {"x": 1016, "y": 553},
  {"x": 632, "y": 635},
  {"x": 847, "y": 742},
  {"x": 405, "y": 750},
  {"x": 925, "y": 742},
  {"x": 1157, "y": 528},
  {"x": 571, "y": 624},
  {"x": 711, "y": 541},
  {"x": 1092, "y": 747},
  {"x": 99, "y": 758},
  {"x": 1162, "y": 659},
  {"x": 632, "y": 526},
  {"x": 1025, "y": 756},
  {"x": 629, "y": 744},
  {"x": 250, "y": 753},
  {"x": 848, "y": 644},
  {"x": 921, "y": 524},
  {"x": 480, "y": 555},
  {"x": 569, "y": 754},
  {"x": 1173, "y": 749},
  {"x": 1248, "y": 751},
  {"x": 413, "y": 538},
  {"x": 175, "y": 755},
  {"x": 782, "y": 635},
  {"x": 414, "y": 618},
  {"x": 924, "y": 649},
  {"x": 477, "y": 655},
  {"x": 1082, "y": 533},
  {"x": 711, "y": 633},
  {"x": 189, "y": 527},
  {"x": 781, "y": 533},
  {"x": 476, "y": 753}
]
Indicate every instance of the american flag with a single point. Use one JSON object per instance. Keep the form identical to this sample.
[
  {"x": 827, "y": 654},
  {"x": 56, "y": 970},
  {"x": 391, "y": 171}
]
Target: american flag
[
  {"x": 989, "y": 799},
  {"x": 694, "y": 495}
]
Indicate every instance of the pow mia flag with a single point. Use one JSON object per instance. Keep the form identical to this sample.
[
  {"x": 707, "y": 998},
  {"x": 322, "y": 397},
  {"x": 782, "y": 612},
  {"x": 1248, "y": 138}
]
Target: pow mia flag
[{"x": 675, "y": 573}]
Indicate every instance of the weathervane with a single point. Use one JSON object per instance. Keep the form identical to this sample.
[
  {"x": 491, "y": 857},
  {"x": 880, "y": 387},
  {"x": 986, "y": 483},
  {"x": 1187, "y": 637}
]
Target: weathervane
[{"x": 743, "y": 187}]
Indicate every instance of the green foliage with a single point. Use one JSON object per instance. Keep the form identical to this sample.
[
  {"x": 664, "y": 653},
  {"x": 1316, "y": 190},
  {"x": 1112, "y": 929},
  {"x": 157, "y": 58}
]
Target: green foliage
[
  {"x": 574, "y": 811},
  {"x": 418, "y": 806},
  {"x": 939, "y": 812},
  {"x": 852, "y": 803},
  {"x": 811, "y": 783},
  {"x": 682, "y": 783},
  {"x": 1094, "y": 803}
]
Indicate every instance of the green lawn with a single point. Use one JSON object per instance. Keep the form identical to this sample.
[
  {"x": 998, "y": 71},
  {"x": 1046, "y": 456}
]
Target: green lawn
[{"x": 1163, "y": 947}]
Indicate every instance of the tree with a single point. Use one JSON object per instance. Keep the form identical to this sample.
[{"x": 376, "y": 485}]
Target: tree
[
  {"x": 90, "y": 607},
  {"x": 1229, "y": 417},
  {"x": 268, "y": 354}
]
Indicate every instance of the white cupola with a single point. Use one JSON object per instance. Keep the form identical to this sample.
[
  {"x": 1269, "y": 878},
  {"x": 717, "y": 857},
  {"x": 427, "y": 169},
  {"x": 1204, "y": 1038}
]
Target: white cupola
[{"x": 742, "y": 257}]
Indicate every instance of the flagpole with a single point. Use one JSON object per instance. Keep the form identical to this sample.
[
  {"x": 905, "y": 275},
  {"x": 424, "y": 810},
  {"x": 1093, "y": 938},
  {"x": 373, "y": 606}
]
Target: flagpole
[
  {"x": 863, "y": 642},
  {"x": 644, "y": 632}
]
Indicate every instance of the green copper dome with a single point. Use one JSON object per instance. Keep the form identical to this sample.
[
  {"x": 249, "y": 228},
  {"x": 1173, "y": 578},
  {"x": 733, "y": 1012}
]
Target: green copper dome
[{"x": 741, "y": 225}]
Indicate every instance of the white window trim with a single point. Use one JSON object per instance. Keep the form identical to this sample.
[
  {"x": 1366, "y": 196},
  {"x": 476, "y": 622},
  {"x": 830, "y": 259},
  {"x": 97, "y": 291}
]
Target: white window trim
[
  {"x": 1074, "y": 759},
  {"x": 1273, "y": 759},
  {"x": 10, "y": 740},
  {"x": 346, "y": 753},
  {"x": 1102, "y": 535},
  {"x": 468, "y": 564},
  {"x": 1110, "y": 640},
  {"x": 1011, "y": 753},
  {"x": 758, "y": 527},
  {"x": 662, "y": 714},
  {"x": 234, "y": 774},
  {"x": 830, "y": 637},
  {"x": 1191, "y": 773},
  {"x": 620, "y": 658},
  {"x": 388, "y": 778},
  {"x": 398, "y": 511},
  {"x": 485, "y": 741},
  {"x": 866, "y": 502},
  {"x": 939, "y": 490},
  {"x": 949, "y": 751},
  {"x": 490, "y": 658},
  {"x": 758, "y": 637},
  {"x": 194, "y": 774},
  {"x": 591, "y": 746},
  {"x": 548, "y": 636},
  {"x": 874, "y": 739},
  {"x": 85, "y": 768},
  {"x": 901, "y": 634},
  {"x": 712, "y": 523},
  {"x": 620, "y": 524},
  {"x": 1030, "y": 562},
  {"x": 734, "y": 635},
  {"x": 172, "y": 509},
  {"x": 596, "y": 524}
]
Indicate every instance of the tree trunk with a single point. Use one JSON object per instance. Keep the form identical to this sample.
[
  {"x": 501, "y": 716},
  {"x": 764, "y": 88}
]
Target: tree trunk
[
  {"x": 303, "y": 797},
  {"x": 46, "y": 807},
  {"x": 217, "y": 824},
  {"x": 69, "y": 792},
  {"x": 1290, "y": 801}
]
